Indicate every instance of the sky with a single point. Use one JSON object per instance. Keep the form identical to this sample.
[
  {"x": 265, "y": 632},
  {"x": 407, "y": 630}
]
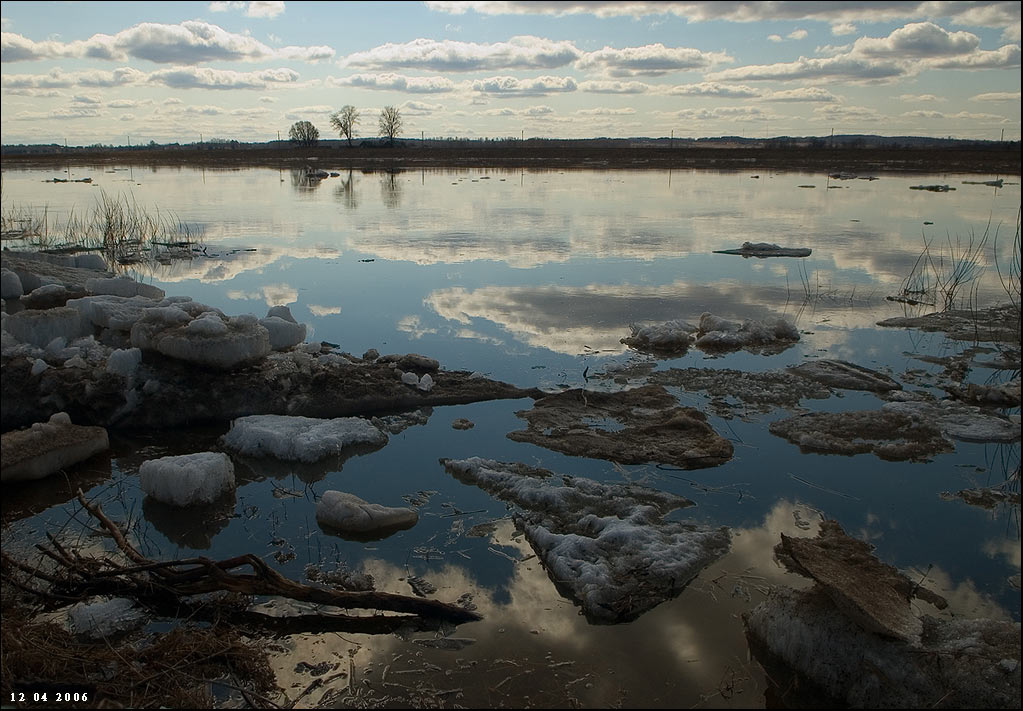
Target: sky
[{"x": 124, "y": 72}]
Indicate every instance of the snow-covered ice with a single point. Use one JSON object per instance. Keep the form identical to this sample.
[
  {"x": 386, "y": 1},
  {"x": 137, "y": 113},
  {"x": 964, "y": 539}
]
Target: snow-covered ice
[
  {"x": 347, "y": 512},
  {"x": 187, "y": 479},
  {"x": 304, "y": 439}
]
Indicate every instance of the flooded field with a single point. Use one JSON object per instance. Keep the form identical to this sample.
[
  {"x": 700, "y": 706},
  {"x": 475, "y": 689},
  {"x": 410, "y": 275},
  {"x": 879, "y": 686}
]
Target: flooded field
[{"x": 535, "y": 278}]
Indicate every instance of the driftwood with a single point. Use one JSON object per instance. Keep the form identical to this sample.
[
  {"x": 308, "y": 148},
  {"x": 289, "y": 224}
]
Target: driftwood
[{"x": 166, "y": 585}]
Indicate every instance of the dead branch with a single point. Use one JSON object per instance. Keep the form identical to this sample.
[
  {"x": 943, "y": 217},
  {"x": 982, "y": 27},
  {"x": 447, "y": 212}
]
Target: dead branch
[{"x": 164, "y": 584}]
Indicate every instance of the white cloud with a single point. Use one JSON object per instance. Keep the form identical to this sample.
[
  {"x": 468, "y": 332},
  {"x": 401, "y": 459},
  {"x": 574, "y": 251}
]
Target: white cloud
[
  {"x": 797, "y": 34},
  {"x": 507, "y": 86},
  {"x": 997, "y": 96},
  {"x": 841, "y": 67},
  {"x": 221, "y": 79},
  {"x": 775, "y": 38},
  {"x": 649, "y": 60},
  {"x": 991, "y": 13},
  {"x": 596, "y": 86},
  {"x": 921, "y": 97},
  {"x": 57, "y": 78},
  {"x": 529, "y": 112},
  {"x": 419, "y": 108},
  {"x": 843, "y": 28},
  {"x": 388, "y": 81},
  {"x": 318, "y": 310},
  {"x": 1003, "y": 58},
  {"x": 604, "y": 111},
  {"x": 814, "y": 94},
  {"x": 122, "y": 104},
  {"x": 90, "y": 99},
  {"x": 709, "y": 88},
  {"x": 522, "y": 52},
  {"x": 268, "y": 100},
  {"x": 917, "y": 40},
  {"x": 302, "y": 113},
  {"x": 190, "y": 42},
  {"x": 252, "y": 9}
]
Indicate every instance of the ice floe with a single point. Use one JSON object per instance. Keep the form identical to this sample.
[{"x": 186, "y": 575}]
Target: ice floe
[
  {"x": 766, "y": 249},
  {"x": 348, "y": 513},
  {"x": 48, "y": 447},
  {"x": 607, "y": 546},
  {"x": 714, "y": 334},
  {"x": 187, "y": 479},
  {"x": 104, "y": 618},
  {"x": 304, "y": 439}
]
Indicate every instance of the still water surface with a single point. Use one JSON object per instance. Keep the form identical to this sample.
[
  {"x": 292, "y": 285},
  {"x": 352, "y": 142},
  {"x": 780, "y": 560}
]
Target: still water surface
[{"x": 533, "y": 277}]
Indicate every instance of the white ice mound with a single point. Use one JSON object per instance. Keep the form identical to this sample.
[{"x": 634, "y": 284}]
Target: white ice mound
[
  {"x": 123, "y": 286},
  {"x": 48, "y": 447},
  {"x": 347, "y": 512},
  {"x": 198, "y": 334},
  {"x": 594, "y": 538},
  {"x": 717, "y": 333},
  {"x": 40, "y": 327},
  {"x": 187, "y": 479},
  {"x": 104, "y": 618},
  {"x": 671, "y": 336},
  {"x": 109, "y": 311},
  {"x": 959, "y": 421},
  {"x": 304, "y": 439},
  {"x": 10, "y": 285},
  {"x": 284, "y": 333},
  {"x": 124, "y": 362}
]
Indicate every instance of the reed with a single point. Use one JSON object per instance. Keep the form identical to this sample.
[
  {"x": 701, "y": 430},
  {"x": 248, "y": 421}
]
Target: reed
[{"x": 124, "y": 231}]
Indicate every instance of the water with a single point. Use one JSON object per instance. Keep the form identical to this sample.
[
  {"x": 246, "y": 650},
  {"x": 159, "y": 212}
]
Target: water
[{"x": 533, "y": 277}]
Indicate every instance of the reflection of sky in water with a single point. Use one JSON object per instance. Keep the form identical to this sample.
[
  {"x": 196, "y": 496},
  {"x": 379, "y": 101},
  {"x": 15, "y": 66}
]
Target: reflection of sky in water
[{"x": 533, "y": 277}]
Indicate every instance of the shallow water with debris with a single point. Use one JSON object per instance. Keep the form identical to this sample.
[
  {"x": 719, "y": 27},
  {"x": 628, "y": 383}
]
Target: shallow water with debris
[{"x": 534, "y": 277}]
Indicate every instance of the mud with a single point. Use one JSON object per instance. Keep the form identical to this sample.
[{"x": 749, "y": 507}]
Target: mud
[{"x": 630, "y": 427}]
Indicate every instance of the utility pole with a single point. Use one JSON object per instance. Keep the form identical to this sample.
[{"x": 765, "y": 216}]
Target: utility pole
[{"x": 129, "y": 141}]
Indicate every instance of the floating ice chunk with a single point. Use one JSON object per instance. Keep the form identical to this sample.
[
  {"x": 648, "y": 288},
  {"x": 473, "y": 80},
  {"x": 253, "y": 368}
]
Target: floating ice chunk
[
  {"x": 124, "y": 362},
  {"x": 38, "y": 366},
  {"x": 410, "y": 378},
  {"x": 718, "y": 333},
  {"x": 671, "y": 336},
  {"x": 47, "y": 447},
  {"x": 766, "y": 249},
  {"x": 426, "y": 383},
  {"x": 187, "y": 479},
  {"x": 123, "y": 286},
  {"x": 959, "y": 421},
  {"x": 40, "y": 327},
  {"x": 305, "y": 439},
  {"x": 282, "y": 312},
  {"x": 594, "y": 537},
  {"x": 347, "y": 512},
  {"x": 104, "y": 618},
  {"x": 284, "y": 333},
  {"x": 10, "y": 285}
]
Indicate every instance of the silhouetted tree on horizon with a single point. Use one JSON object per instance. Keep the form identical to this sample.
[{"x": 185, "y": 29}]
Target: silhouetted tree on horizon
[
  {"x": 344, "y": 122},
  {"x": 304, "y": 133},
  {"x": 390, "y": 123}
]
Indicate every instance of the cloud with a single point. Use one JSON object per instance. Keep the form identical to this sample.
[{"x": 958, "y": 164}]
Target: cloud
[
  {"x": 726, "y": 113},
  {"x": 604, "y": 111},
  {"x": 997, "y": 96},
  {"x": 920, "y": 97},
  {"x": 511, "y": 86},
  {"x": 57, "y": 78},
  {"x": 191, "y": 42},
  {"x": 268, "y": 100},
  {"x": 597, "y": 86},
  {"x": 521, "y": 52},
  {"x": 803, "y": 94},
  {"x": 89, "y": 99},
  {"x": 122, "y": 104},
  {"x": 1003, "y": 58},
  {"x": 318, "y": 310},
  {"x": 252, "y": 9},
  {"x": 649, "y": 60},
  {"x": 709, "y": 88},
  {"x": 917, "y": 40},
  {"x": 775, "y": 38},
  {"x": 396, "y": 82},
  {"x": 841, "y": 67},
  {"x": 993, "y": 13},
  {"x": 419, "y": 108},
  {"x": 959, "y": 116},
  {"x": 797, "y": 34},
  {"x": 221, "y": 79},
  {"x": 843, "y": 28},
  {"x": 529, "y": 112},
  {"x": 302, "y": 113},
  {"x": 841, "y": 112}
]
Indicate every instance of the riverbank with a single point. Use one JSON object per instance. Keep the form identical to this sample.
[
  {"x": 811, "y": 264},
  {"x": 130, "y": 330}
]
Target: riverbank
[{"x": 546, "y": 156}]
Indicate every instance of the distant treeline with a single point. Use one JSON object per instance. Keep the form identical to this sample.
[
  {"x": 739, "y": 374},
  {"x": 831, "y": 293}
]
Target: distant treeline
[{"x": 845, "y": 141}]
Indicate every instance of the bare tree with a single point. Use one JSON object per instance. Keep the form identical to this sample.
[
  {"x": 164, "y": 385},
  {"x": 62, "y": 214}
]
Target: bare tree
[
  {"x": 344, "y": 122},
  {"x": 304, "y": 133},
  {"x": 390, "y": 123}
]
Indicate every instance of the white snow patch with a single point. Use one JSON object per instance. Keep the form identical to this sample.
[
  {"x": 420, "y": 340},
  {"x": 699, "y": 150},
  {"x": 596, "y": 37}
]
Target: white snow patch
[
  {"x": 123, "y": 286},
  {"x": 124, "y": 362},
  {"x": 347, "y": 512},
  {"x": 305, "y": 439},
  {"x": 187, "y": 479},
  {"x": 104, "y": 618}
]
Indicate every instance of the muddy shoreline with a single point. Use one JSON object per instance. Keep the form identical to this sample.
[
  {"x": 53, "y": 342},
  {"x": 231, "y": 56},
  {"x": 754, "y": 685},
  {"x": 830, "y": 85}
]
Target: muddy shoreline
[{"x": 544, "y": 156}]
